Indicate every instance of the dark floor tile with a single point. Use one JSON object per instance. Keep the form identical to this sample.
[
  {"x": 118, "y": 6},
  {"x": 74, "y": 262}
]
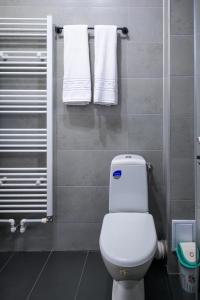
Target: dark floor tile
[
  {"x": 4, "y": 257},
  {"x": 96, "y": 282},
  {"x": 156, "y": 282},
  {"x": 18, "y": 277},
  {"x": 177, "y": 291},
  {"x": 60, "y": 278}
]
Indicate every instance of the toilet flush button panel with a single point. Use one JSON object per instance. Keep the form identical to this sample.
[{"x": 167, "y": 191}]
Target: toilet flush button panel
[{"x": 182, "y": 231}]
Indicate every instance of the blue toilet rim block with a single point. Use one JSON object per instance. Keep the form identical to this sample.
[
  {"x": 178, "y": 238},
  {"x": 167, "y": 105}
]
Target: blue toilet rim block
[{"x": 184, "y": 262}]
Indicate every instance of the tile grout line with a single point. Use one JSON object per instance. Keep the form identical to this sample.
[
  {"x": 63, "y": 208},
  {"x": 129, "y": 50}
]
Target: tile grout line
[
  {"x": 39, "y": 275},
  {"x": 7, "y": 262},
  {"x": 81, "y": 276}
]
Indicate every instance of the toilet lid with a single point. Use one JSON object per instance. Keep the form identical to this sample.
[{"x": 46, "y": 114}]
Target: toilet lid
[{"x": 128, "y": 239}]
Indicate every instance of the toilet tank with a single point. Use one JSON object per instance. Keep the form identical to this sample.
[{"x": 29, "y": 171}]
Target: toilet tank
[{"x": 128, "y": 190}]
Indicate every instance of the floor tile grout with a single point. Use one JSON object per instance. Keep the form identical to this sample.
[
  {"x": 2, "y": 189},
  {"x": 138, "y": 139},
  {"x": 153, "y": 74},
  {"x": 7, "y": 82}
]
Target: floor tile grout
[
  {"x": 81, "y": 276},
  {"x": 39, "y": 275},
  {"x": 7, "y": 262}
]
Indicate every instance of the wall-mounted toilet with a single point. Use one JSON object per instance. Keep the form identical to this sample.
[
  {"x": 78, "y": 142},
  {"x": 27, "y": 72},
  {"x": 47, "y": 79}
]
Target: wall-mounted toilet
[{"x": 128, "y": 239}]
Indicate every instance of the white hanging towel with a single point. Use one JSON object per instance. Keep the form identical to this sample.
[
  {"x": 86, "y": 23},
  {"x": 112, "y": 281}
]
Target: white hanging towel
[
  {"x": 105, "y": 82},
  {"x": 77, "y": 80}
]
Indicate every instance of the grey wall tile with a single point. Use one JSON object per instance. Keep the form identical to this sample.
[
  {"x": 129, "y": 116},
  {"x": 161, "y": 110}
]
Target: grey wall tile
[
  {"x": 144, "y": 60},
  {"x": 60, "y": 15},
  {"x": 181, "y": 17},
  {"x": 108, "y": 16},
  {"x": 145, "y": 132},
  {"x": 182, "y": 136},
  {"x": 155, "y": 159},
  {"x": 146, "y": 3},
  {"x": 77, "y": 236},
  {"x": 182, "y": 179},
  {"x": 101, "y": 130},
  {"x": 157, "y": 207},
  {"x": 182, "y": 209},
  {"x": 68, "y": 3},
  {"x": 146, "y": 100},
  {"x": 37, "y": 237},
  {"x": 84, "y": 168},
  {"x": 182, "y": 95},
  {"x": 182, "y": 57},
  {"x": 81, "y": 204},
  {"x": 145, "y": 24}
]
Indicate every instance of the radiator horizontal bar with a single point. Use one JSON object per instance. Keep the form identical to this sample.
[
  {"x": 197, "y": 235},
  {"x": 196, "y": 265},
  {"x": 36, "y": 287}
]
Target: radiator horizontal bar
[
  {"x": 23, "y": 129},
  {"x": 22, "y": 29},
  {"x": 24, "y": 101},
  {"x": 23, "y": 68},
  {"x": 23, "y": 190},
  {"x": 26, "y": 107},
  {"x": 26, "y": 57},
  {"x": 23, "y": 140},
  {"x": 25, "y": 24},
  {"x": 23, "y": 96},
  {"x": 23, "y": 169},
  {"x": 22, "y": 146},
  {"x": 24, "y": 51},
  {"x": 23, "y": 134},
  {"x": 22, "y": 62},
  {"x": 23, "y": 201},
  {"x": 22, "y": 184},
  {"x": 24, "y": 179},
  {"x": 23, "y": 196},
  {"x": 32, "y": 42},
  {"x": 22, "y": 205},
  {"x": 19, "y": 150},
  {"x": 26, "y": 91},
  {"x": 22, "y": 106},
  {"x": 29, "y": 19},
  {"x": 22, "y": 112},
  {"x": 24, "y": 34},
  {"x": 22, "y": 211},
  {"x": 25, "y": 174},
  {"x": 23, "y": 73}
]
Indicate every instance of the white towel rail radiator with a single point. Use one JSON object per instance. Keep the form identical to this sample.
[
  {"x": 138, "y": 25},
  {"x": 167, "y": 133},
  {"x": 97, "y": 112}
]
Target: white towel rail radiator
[{"x": 26, "y": 60}]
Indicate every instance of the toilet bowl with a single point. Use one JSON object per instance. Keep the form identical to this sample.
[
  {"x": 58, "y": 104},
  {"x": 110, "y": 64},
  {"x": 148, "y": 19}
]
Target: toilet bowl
[{"x": 128, "y": 239}]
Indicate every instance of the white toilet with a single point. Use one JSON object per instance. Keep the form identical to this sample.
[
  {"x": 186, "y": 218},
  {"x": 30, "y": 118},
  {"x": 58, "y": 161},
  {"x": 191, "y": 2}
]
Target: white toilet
[{"x": 128, "y": 239}]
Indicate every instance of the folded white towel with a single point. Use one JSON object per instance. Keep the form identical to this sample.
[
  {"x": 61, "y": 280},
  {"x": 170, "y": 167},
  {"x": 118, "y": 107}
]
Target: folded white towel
[
  {"x": 77, "y": 81},
  {"x": 105, "y": 84}
]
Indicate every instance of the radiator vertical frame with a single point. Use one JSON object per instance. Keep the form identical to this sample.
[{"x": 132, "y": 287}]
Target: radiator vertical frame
[{"x": 49, "y": 116}]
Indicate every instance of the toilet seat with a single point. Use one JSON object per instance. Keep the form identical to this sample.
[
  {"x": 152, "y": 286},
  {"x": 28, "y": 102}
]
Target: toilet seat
[{"x": 128, "y": 239}]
